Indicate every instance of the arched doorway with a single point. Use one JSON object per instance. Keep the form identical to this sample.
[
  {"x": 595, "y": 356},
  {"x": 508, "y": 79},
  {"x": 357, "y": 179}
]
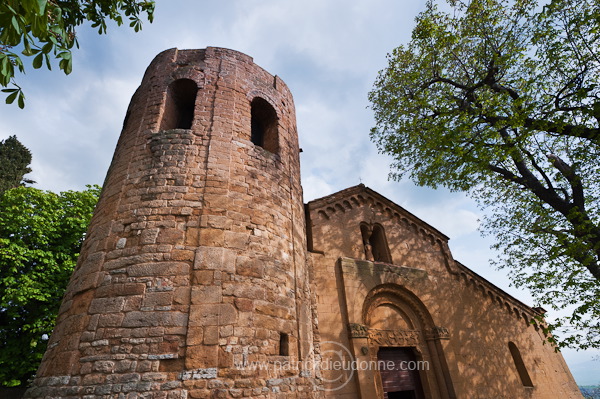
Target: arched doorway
[{"x": 404, "y": 342}]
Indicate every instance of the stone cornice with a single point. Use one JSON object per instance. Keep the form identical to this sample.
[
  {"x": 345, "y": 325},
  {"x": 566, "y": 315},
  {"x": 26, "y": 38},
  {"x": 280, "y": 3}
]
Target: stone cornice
[
  {"x": 503, "y": 299},
  {"x": 361, "y": 195}
]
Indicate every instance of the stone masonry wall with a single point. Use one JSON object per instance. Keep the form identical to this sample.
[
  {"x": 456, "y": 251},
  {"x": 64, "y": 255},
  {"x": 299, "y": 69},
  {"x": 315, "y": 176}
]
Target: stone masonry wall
[
  {"x": 464, "y": 324},
  {"x": 194, "y": 265}
]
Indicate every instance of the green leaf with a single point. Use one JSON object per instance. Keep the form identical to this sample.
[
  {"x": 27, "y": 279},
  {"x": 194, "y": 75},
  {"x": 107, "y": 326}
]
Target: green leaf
[
  {"x": 42, "y": 6},
  {"x": 38, "y": 61},
  {"x": 21, "y": 102},
  {"x": 15, "y": 25},
  {"x": 40, "y": 236},
  {"x": 65, "y": 55},
  {"x": 66, "y": 65},
  {"x": 41, "y": 26},
  {"x": 27, "y": 47},
  {"x": 498, "y": 99},
  {"x": 11, "y": 97},
  {"x": 5, "y": 66},
  {"x": 48, "y": 47}
]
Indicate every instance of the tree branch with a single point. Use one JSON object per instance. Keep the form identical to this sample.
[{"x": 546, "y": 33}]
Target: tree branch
[
  {"x": 539, "y": 169},
  {"x": 573, "y": 179},
  {"x": 592, "y": 134}
]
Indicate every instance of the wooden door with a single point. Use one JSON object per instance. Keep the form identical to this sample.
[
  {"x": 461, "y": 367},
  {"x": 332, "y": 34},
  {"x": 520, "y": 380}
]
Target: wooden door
[{"x": 399, "y": 374}]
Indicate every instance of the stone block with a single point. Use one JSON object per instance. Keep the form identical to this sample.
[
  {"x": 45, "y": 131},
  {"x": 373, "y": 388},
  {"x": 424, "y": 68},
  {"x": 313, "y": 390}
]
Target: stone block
[
  {"x": 154, "y": 319},
  {"x": 212, "y": 314},
  {"x": 170, "y": 236},
  {"x": 158, "y": 269},
  {"x": 110, "y": 320},
  {"x": 86, "y": 282},
  {"x": 211, "y": 335},
  {"x": 215, "y": 258},
  {"x": 249, "y": 267},
  {"x": 181, "y": 295},
  {"x": 132, "y": 303},
  {"x": 201, "y": 357},
  {"x": 153, "y": 299},
  {"x": 211, "y": 237},
  {"x": 202, "y": 277},
  {"x": 226, "y": 331},
  {"x": 206, "y": 294},
  {"x": 216, "y": 222},
  {"x": 244, "y": 291},
  {"x": 195, "y": 336},
  {"x": 192, "y": 236},
  {"x": 104, "y": 366},
  {"x": 149, "y": 236},
  {"x": 244, "y": 304},
  {"x": 236, "y": 240},
  {"x": 274, "y": 310},
  {"x": 182, "y": 255}
]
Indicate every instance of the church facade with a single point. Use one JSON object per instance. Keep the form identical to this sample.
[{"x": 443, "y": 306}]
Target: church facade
[
  {"x": 203, "y": 274},
  {"x": 417, "y": 323}
]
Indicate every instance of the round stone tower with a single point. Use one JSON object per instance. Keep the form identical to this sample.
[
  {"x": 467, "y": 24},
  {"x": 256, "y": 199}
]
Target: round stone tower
[{"x": 192, "y": 281}]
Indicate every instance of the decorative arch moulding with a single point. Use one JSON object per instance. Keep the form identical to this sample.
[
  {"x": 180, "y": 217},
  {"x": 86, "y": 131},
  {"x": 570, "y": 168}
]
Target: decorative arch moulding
[
  {"x": 516, "y": 308},
  {"x": 397, "y": 337},
  {"x": 361, "y": 195}
]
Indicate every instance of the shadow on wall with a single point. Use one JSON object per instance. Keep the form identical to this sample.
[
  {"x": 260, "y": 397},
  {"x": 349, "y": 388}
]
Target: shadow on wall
[
  {"x": 423, "y": 304},
  {"x": 12, "y": 393}
]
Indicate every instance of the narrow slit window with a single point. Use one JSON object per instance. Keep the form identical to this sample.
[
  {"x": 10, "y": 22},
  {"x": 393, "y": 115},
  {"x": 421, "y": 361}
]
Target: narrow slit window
[
  {"x": 264, "y": 125},
  {"x": 520, "y": 365},
  {"x": 284, "y": 344},
  {"x": 375, "y": 243},
  {"x": 180, "y": 105}
]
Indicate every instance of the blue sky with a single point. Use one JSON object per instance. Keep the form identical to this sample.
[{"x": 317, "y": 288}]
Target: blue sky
[{"x": 328, "y": 53}]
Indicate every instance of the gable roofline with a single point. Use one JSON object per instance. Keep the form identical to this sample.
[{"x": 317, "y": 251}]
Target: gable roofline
[
  {"x": 493, "y": 291},
  {"x": 339, "y": 196},
  {"x": 471, "y": 278}
]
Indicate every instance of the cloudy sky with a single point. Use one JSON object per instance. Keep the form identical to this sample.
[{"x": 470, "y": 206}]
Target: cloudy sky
[{"x": 327, "y": 51}]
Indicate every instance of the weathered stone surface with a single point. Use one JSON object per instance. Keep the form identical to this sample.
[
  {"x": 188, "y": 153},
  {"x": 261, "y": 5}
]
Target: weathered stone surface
[
  {"x": 207, "y": 294},
  {"x": 203, "y": 275},
  {"x": 395, "y": 292},
  {"x": 214, "y": 258},
  {"x": 212, "y": 314},
  {"x": 152, "y": 319},
  {"x": 250, "y": 267},
  {"x": 107, "y": 305},
  {"x": 158, "y": 269},
  {"x": 193, "y": 213}
]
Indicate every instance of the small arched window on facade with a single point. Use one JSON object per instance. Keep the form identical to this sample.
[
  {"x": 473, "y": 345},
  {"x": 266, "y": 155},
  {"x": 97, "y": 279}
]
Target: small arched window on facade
[
  {"x": 180, "y": 105},
  {"x": 520, "y": 365},
  {"x": 264, "y": 124},
  {"x": 375, "y": 243}
]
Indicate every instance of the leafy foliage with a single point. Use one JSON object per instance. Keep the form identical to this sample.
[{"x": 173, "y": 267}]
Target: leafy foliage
[
  {"x": 14, "y": 164},
  {"x": 40, "y": 237},
  {"x": 500, "y": 98},
  {"x": 45, "y": 29}
]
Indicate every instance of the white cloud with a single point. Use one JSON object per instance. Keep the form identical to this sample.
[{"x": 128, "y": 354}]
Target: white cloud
[{"x": 315, "y": 187}]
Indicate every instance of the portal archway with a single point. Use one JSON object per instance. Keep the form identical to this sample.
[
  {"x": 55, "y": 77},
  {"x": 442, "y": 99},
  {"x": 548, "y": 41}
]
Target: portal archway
[{"x": 401, "y": 335}]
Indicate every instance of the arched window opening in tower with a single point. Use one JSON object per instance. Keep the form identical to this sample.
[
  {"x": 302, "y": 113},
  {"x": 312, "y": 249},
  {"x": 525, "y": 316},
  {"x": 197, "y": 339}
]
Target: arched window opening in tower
[
  {"x": 375, "y": 243},
  {"x": 520, "y": 365},
  {"x": 180, "y": 105},
  {"x": 264, "y": 125}
]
